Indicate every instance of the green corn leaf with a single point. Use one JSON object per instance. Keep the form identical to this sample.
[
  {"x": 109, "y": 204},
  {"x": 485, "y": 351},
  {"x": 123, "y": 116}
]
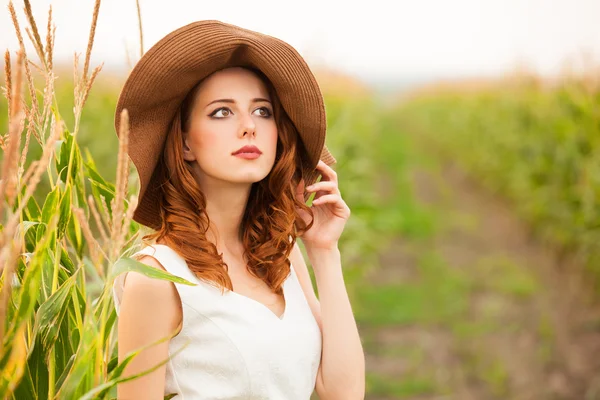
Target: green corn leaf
[
  {"x": 66, "y": 262},
  {"x": 48, "y": 210},
  {"x": 38, "y": 370},
  {"x": 100, "y": 187},
  {"x": 65, "y": 373},
  {"x": 64, "y": 345},
  {"x": 68, "y": 145},
  {"x": 80, "y": 190},
  {"x": 27, "y": 297},
  {"x": 129, "y": 264},
  {"x": 115, "y": 377},
  {"x": 33, "y": 210},
  {"x": 47, "y": 275},
  {"x": 75, "y": 236},
  {"x": 95, "y": 176},
  {"x": 29, "y": 290},
  {"x": 57, "y": 147},
  {"x": 82, "y": 367},
  {"x": 51, "y": 313},
  {"x": 110, "y": 322},
  {"x": 27, "y": 387},
  {"x": 12, "y": 371},
  {"x": 65, "y": 211},
  {"x": 24, "y": 227}
]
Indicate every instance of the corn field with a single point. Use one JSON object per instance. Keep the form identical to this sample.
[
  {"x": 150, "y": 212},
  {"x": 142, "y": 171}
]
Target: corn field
[
  {"x": 68, "y": 193},
  {"x": 535, "y": 143}
]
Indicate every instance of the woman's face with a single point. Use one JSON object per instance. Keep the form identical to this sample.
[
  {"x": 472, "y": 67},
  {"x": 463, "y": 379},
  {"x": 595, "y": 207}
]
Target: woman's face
[{"x": 232, "y": 109}]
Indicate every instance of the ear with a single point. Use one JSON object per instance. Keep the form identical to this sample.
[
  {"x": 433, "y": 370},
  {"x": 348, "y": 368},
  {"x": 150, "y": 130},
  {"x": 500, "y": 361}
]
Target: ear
[{"x": 188, "y": 155}]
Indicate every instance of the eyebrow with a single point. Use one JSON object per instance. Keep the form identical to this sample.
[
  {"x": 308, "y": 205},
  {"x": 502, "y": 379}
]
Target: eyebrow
[{"x": 255, "y": 100}]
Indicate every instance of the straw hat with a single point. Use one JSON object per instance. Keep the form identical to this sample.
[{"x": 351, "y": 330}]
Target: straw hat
[{"x": 160, "y": 80}]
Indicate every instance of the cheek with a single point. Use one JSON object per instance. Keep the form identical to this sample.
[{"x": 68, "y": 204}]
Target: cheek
[
  {"x": 206, "y": 140},
  {"x": 270, "y": 144},
  {"x": 271, "y": 136}
]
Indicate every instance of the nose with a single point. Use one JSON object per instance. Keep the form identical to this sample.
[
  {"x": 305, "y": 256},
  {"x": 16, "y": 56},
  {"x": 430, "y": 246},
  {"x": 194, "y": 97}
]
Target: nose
[{"x": 247, "y": 126}]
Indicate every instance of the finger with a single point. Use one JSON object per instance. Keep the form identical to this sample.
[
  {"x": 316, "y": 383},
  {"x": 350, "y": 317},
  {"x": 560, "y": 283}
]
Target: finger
[
  {"x": 325, "y": 186},
  {"x": 340, "y": 208},
  {"x": 328, "y": 173},
  {"x": 329, "y": 199}
]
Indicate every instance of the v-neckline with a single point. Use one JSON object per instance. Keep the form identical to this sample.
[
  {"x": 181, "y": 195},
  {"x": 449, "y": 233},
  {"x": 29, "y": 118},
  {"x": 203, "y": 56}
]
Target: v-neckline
[
  {"x": 262, "y": 305},
  {"x": 280, "y": 318}
]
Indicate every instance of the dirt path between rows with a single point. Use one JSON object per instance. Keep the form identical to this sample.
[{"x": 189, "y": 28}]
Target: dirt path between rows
[{"x": 512, "y": 342}]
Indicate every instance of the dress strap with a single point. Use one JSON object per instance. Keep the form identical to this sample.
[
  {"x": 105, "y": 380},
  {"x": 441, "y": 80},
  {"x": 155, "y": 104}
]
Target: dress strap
[{"x": 169, "y": 259}]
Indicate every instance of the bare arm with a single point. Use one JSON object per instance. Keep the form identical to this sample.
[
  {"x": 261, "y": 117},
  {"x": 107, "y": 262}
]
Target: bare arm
[
  {"x": 150, "y": 310},
  {"x": 342, "y": 371}
]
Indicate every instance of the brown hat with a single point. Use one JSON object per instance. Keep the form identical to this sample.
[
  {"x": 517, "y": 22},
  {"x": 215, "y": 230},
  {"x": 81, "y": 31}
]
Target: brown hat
[{"x": 165, "y": 74}]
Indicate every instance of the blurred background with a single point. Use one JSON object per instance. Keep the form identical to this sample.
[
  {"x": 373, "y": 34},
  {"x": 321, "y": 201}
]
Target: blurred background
[{"x": 467, "y": 135}]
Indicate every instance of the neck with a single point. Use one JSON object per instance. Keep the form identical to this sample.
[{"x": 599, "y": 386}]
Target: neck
[{"x": 225, "y": 206}]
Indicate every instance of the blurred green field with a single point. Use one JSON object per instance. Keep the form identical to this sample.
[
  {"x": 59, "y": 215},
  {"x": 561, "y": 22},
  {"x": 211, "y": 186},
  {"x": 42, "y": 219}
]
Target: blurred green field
[
  {"x": 532, "y": 142},
  {"x": 485, "y": 293},
  {"x": 491, "y": 199}
]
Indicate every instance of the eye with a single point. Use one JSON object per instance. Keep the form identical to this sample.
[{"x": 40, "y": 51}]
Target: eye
[
  {"x": 265, "y": 112},
  {"x": 225, "y": 112}
]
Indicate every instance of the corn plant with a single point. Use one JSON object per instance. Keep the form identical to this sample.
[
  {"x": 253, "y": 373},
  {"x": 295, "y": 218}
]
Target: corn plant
[{"x": 59, "y": 256}]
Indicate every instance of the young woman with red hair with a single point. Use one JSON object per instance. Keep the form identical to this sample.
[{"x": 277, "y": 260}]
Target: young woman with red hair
[{"x": 227, "y": 129}]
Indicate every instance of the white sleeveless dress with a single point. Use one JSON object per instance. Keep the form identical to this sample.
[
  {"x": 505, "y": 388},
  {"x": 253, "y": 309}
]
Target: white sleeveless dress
[{"x": 237, "y": 348}]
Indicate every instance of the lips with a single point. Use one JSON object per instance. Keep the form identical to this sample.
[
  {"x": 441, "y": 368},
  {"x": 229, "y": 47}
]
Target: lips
[{"x": 248, "y": 149}]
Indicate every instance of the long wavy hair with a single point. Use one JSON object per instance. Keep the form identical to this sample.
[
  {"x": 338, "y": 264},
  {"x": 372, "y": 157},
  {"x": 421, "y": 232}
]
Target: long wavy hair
[{"x": 270, "y": 224}]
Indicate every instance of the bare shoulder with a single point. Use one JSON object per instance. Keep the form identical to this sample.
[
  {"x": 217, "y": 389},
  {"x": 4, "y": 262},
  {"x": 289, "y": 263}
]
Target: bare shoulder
[
  {"x": 154, "y": 297},
  {"x": 150, "y": 310}
]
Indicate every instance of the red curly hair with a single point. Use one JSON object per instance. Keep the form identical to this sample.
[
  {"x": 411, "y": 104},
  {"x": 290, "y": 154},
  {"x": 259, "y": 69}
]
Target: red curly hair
[{"x": 270, "y": 224}]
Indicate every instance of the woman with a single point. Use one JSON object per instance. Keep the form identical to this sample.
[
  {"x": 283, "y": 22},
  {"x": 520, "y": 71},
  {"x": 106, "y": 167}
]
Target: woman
[{"x": 227, "y": 127}]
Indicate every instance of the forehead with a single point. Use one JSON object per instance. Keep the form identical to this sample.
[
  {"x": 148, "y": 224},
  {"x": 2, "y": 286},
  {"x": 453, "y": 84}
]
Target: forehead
[{"x": 232, "y": 82}]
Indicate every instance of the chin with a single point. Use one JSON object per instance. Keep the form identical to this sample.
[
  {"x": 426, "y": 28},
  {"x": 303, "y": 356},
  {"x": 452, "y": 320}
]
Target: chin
[
  {"x": 252, "y": 177},
  {"x": 237, "y": 174},
  {"x": 248, "y": 176}
]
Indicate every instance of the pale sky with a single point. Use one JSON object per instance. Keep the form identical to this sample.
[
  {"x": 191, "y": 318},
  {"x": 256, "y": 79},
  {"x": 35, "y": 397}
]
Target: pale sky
[{"x": 375, "y": 40}]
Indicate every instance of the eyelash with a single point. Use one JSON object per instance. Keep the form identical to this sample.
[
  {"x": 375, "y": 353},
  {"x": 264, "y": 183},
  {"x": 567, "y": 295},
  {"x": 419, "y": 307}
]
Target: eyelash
[{"x": 212, "y": 114}]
